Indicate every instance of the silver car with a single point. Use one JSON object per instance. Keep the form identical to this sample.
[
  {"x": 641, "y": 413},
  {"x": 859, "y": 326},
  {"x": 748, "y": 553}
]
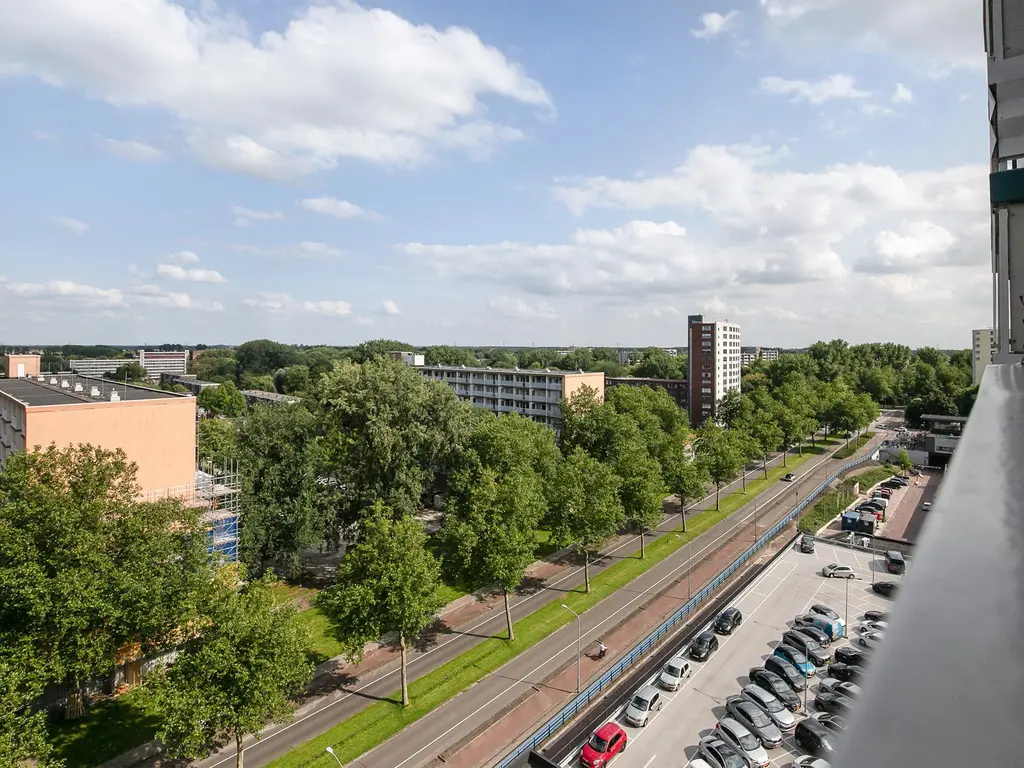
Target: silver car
[
  {"x": 675, "y": 672},
  {"x": 842, "y": 687},
  {"x": 755, "y": 719},
  {"x": 643, "y": 705},
  {"x": 769, "y": 704},
  {"x": 874, "y": 626},
  {"x": 871, "y": 639},
  {"x": 810, "y": 761},
  {"x": 719, "y": 754},
  {"x": 737, "y": 736}
]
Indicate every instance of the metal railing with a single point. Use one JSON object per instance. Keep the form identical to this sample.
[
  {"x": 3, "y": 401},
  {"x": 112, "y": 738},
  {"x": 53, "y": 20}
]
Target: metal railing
[{"x": 592, "y": 691}]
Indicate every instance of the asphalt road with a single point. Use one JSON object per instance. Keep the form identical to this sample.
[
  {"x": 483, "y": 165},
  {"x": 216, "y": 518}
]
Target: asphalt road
[{"x": 424, "y": 740}]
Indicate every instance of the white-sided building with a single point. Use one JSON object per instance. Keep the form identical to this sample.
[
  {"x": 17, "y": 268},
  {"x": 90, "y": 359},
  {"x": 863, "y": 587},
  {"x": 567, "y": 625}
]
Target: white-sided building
[
  {"x": 983, "y": 347},
  {"x": 714, "y": 364}
]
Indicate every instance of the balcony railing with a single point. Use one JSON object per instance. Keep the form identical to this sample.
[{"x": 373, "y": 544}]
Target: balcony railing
[{"x": 945, "y": 688}]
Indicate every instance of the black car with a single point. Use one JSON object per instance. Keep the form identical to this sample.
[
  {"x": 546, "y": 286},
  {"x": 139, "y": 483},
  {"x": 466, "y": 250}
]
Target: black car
[
  {"x": 885, "y": 588},
  {"x": 810, "y": 647},
  {"x": 824, "y": 610},
  {"x": 728, "y": 620},
  {"x": 807, "y": 544},
  {"x": 793, "y": 676},
  {"x": 848, "y": 673},
  {"x": 772, "y": 683},
  {"x": 704, "y": 645},
  {"x": 876, "y": 615},
  {"x": 815, "y": 738},
  {"x": 834, "y": 723},
  {"x": 789, "y": 477},
  {"x": 833, "y": 703},
  {"x": 854, "y": 657},
  {"x": 813, "y": 632}
]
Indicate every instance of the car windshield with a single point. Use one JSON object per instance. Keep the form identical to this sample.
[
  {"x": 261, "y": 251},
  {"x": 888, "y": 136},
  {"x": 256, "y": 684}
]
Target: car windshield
[
  {"x": 598, "y": 744},
  {"x": 673, "y": 671},
  {"x": 772, "y": 705},
  {"x": 756, "y": 716},
  {"x": 748, "y": 742},
  {"x": 732, "y": 760},
  {"x": 639, "y": 702}
]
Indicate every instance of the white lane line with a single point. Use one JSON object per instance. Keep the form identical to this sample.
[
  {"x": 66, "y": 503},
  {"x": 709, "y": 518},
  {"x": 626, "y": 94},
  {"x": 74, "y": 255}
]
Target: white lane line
[
  {"x": 264, "y": 738},
  {"x": 648, "y": 763}
]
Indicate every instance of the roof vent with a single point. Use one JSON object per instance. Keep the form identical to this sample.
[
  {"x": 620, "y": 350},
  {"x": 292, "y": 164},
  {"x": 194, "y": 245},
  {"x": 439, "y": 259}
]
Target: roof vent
[
  {"x": 79, "y": 387},
  {"x": 94, "y": 392},
  {"x": 114, "y": 397},
  {"x": 53, "y": 380},
  {"x": 64, "y": 384}
]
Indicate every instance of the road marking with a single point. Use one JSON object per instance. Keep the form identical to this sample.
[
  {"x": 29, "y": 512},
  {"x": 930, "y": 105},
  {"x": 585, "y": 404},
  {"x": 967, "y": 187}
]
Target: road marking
[
  {"x": 648, "y": 763},
  {"x": 264, "y": 738}
]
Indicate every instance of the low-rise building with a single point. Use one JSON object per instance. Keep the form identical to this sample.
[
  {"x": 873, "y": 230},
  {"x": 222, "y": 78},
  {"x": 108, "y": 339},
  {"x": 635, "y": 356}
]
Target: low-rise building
[
  {"x": 676, "y": 388},
  {"x": 188, "y": 380},
  {"x": 749, "y": 354},
  {"x": 409, "y": 358},
  {"x": 155, "y": 363},
  {"x": 537, "y": 394},
  {"x": 259, "y": 397},
  {"x": 20, "y": 366}
]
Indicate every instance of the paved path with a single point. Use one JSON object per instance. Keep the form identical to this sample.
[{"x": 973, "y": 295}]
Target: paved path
[{"x": 454, "y": 721}]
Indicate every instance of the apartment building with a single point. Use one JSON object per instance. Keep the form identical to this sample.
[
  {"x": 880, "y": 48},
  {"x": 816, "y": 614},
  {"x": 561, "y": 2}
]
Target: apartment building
[
  {"x": 714, "y": 365},
  {"x": 676, "y": 388},
  {"x": 536, "y": 394},
  {"x": 983, "y": 343},
  {"x": 409, "y": 358},
  {"x": 749, "y": 354},
  {"x": 155, "y": 363},
  {"x": 99, "y": 366}
]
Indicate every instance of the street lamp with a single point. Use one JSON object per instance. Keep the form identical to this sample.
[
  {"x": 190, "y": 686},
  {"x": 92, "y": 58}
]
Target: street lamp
[
  {"x": 330, "y": 751},
  {"x": 579, "y": 639},
  {"x": 846, "y": 627}
]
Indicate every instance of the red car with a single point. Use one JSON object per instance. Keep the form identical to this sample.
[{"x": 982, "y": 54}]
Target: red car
[{"x": 606, "y": 743}]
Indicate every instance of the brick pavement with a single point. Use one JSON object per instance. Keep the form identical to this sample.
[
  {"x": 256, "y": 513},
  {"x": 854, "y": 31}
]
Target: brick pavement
[{"x": 905, "y": 521}]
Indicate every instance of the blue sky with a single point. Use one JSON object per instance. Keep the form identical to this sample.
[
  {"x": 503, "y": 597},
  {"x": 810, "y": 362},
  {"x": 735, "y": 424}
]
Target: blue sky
[{"x": 572, "y": 172}]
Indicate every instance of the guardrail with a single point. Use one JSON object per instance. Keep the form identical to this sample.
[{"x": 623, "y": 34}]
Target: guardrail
[{"x": 592, "y": 691}]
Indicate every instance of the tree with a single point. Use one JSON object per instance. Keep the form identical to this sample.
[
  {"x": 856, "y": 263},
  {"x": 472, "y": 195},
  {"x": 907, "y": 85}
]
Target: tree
[
  {"x": 375, "y": 348},
  {"x": 218, "y": 365},
  {"x": 87, "y": 569},
  {"x": 766, "y": 435},
  {"x": 240, "y": 672},
  {"x": 216, "y": 441},
  {"x": 445, "y": 355},
  {"x": 685, "y": 476},
  {"x": 294, "y": 379},
  {"x": 279, "y": 457},
  {"x": 585, "y": 507},
  {"x": 222, "y": 400},
  {"x": 262, "y": 356},
  {"x": 130, "y": 372},
  {"x": 720, "y": 451},
  {"x": 656, "y": 363},
  {"x": 389, "y": 584},
  {"x": 641, "y": 487},
  {"x": 260, "y": 383},
  {"x": 904, "y": 459},
  {"x": 23, "y": 737},
  {"x": 735, "y": 410},
  {"x": 489, "y": 529}
]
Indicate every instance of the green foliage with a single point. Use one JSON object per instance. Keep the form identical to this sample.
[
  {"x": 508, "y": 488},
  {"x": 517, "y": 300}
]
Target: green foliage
[
  {"x": 22, "y": 730},
  {"x": 376, "y": 348},
  {"x": 263, "y": 356},
  {"x": 683, "y": 475},
  {"x": 217, "y": 365},
  {"x": 130, "y": 372},
  {"x": 222, "y": 400},
  {"x": 445, "y": 355},
  {"x": 388, "y": 584},
  {"x": 831, "y": 505},
  {"x": 240, "y": 672},
  {"x": 904, "y": 459},
  {"x": 261, "y": 383},
  {"x": 279, "y": 455},
  {"x": 216, "y": 441},
  {"x": 656, "y": 363},
  {"x": 723, "y": 452},
  {"x": 112, "y": 728},
  {"x": 295, "y": 379},
  {"x": 641, "y": 487}
]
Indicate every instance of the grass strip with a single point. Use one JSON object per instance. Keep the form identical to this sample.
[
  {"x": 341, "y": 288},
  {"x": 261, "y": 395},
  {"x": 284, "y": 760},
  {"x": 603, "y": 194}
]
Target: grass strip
[
  {"x": 834, "y": 502},
  {"x": 111, "y": 729},
  {"x": 854, "y": 446},
  {"x": 365, "y": 730}
]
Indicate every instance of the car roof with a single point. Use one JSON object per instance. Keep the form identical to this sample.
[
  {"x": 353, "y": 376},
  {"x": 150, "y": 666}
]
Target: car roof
[
  {"x": 678, "y": 661},
  {"x": 706, "y": 635},
  {"x": 608, "y": 730},
  {"x": 730, "y": 611},
  {"x": 734, "y": 724},
  {"x": 758, "y": 692},
  {"x": 647, "y": 692},
  {"x": 812, "y": 724},
  {"x": 822, "y": 608}
]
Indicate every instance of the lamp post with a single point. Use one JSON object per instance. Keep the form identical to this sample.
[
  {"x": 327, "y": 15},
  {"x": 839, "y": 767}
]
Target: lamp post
[
  {"x": 846, "y": 626},
  {"x": 330, "y": 751},
  {"x": 579, "y": 639}
]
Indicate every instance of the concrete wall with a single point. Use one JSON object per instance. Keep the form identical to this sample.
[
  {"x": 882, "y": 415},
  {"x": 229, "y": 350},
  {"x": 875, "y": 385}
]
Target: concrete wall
[
  {"x": 29, "y": 366},
  {"x": 158, "y": 435},
  {"x": 575, "y": 381}
]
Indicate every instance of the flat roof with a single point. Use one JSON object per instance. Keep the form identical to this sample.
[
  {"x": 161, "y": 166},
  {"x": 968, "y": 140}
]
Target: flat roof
[
  {"x": 532, "y": 371},
  {"x": 35, "y": 393},
  {"x": 945, "y": 419},
  {"x": 259, "y": 394}
]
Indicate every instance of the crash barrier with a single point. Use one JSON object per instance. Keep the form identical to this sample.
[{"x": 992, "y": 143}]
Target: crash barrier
[{"x": 592, "y": 691}]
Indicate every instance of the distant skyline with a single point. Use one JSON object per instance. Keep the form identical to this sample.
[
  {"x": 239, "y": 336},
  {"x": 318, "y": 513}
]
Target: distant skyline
[{"x": 457, "y": 172}]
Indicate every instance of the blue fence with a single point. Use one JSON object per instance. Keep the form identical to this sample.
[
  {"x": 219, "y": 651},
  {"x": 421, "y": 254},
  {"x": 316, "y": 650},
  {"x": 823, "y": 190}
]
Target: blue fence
[{"x": 595, "y": 689}]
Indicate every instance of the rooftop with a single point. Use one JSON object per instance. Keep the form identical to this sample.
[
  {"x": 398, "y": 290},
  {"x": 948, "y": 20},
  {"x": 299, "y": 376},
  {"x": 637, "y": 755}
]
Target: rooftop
[
  {"x": 488, "y": 369},
  {"x": 276, "y": 397},
  {"x": 945, "y": 419},
  {"x": 37, "y": 393}
]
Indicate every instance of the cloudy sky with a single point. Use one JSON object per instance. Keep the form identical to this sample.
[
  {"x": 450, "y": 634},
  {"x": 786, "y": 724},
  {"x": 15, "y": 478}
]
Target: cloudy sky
[{"x": 509, "y": 171}]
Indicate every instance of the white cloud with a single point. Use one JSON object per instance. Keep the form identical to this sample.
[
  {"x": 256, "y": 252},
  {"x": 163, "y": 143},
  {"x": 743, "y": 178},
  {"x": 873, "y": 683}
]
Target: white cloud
[
  {"x": 156, "y": 296},
  {"x": 339, "y": 209},
  {"x": 910, "y": 288},
  {"x": 135, "y": 151},
  {"x": 174, "y": 272},
  {"x": 65, "y": 290},
  {"x": 933, "y": 35},
  {"x": 520, "y": 309},
  {"x": 307, "y": 249},
  {"x": 714, "y": 24},
  {"x": 285, "y": 303},
  {"x": 310, "y": 249},
  {"x": 185, "y": 257},
  {"x": 338, "y": 81},
  {"x": 826, "y": 89},
  {"x": 246, "y": 216},
  {"x": 902, "y": 94},
  {"x": 364, "y": 321},
  {"x": 875, "y": 109},
  {"x": 389, "y": 307},
  {"x": 74, "y": 226},
  {"x": 922, "y": 245}
]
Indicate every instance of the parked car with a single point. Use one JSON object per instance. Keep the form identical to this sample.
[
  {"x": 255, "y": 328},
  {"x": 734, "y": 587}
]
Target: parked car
[
  {"x": 831, "y": 627},
  {"x": 807, "y": 544},
  {"x": 836, "y": 571},
  {"x": 705, "y": 644},
  {"x": 771, "y": 682},
  {"x": 895, "y": 562},
  {"x": 874, "y": 626},
  {"x": 789, "y": 477},
  {"x": 728, "y": 620},
  {"x": 842, "y": 687},
  {"x": 605, "y": 743},
  {"x": 793, "y": 676},
  {"x": 871, "y": 640},
  {"x": 845, "y": 672},
  {"x": 807, "y": 645},
  {"x": 834, "y": 723},
  {"x": 885, "y": 493},
  {"x": 719, "y": 754},
  {"x": 809, "y": 761},
  {"x": 926, "y": 506},
  {"x": 699, "y": 762},
  {"x": 821, "y": 637},
  {"x": 851, "y": 655},
  {"x": 876, "y": 615},
  {"x": 834, "y": 703},
  {"x": 769, "y": 703},
  {"x": 675, "y": 671},
  {"x": 885, "y": 588},
  {"x": 823, "y": 610},
  {"x": 795, "y": 657},
  {"x": 814, "y": 737},
  {"x": 643, "y": 705},
  {"x": 739, "y": 737},
  {"x": 756, "y": 721}
]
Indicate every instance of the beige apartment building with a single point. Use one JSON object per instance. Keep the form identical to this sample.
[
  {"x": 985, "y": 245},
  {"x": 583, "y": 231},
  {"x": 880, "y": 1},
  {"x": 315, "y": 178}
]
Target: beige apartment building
[
  {"x": 536, "y": 394},
  {"x": 155, "y": 429}
]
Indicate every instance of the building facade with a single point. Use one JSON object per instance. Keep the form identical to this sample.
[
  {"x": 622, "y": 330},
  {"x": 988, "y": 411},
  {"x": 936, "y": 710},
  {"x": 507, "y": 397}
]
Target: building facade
[
  {"x": 409, "y": 358},
  {"x": 157, "y": 363},
  {"x": 259, "y": 397},
  {"x": 676, "y": 388},
  {"x": 983, "y": 348},
  {"x": 536, "y": 394},
  {"x": 714, "y": 365},
  {"x": 749, "y": 354},
  {"x": 189, "y": 381},
  {"x": 98, "y": 366},
  {"x": 20, "y": 366}
]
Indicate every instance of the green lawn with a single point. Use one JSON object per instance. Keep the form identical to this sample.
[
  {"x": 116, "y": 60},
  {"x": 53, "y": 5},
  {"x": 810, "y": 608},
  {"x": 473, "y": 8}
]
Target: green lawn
[
  {"x": 867, "y": 479},
  {"x": 110, "y": 729},
  {"x": 284, "y": 592}
]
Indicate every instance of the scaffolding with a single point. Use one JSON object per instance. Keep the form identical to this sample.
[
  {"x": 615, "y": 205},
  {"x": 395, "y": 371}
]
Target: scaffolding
[{"x": 217, "y": 491}]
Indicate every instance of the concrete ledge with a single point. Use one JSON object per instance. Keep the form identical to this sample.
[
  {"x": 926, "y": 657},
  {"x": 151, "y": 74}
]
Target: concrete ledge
[{"x": 134, "y": 756}]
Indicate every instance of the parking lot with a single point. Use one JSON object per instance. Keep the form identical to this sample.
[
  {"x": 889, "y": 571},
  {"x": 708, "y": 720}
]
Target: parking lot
[{"x": 769, "y": 605}]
